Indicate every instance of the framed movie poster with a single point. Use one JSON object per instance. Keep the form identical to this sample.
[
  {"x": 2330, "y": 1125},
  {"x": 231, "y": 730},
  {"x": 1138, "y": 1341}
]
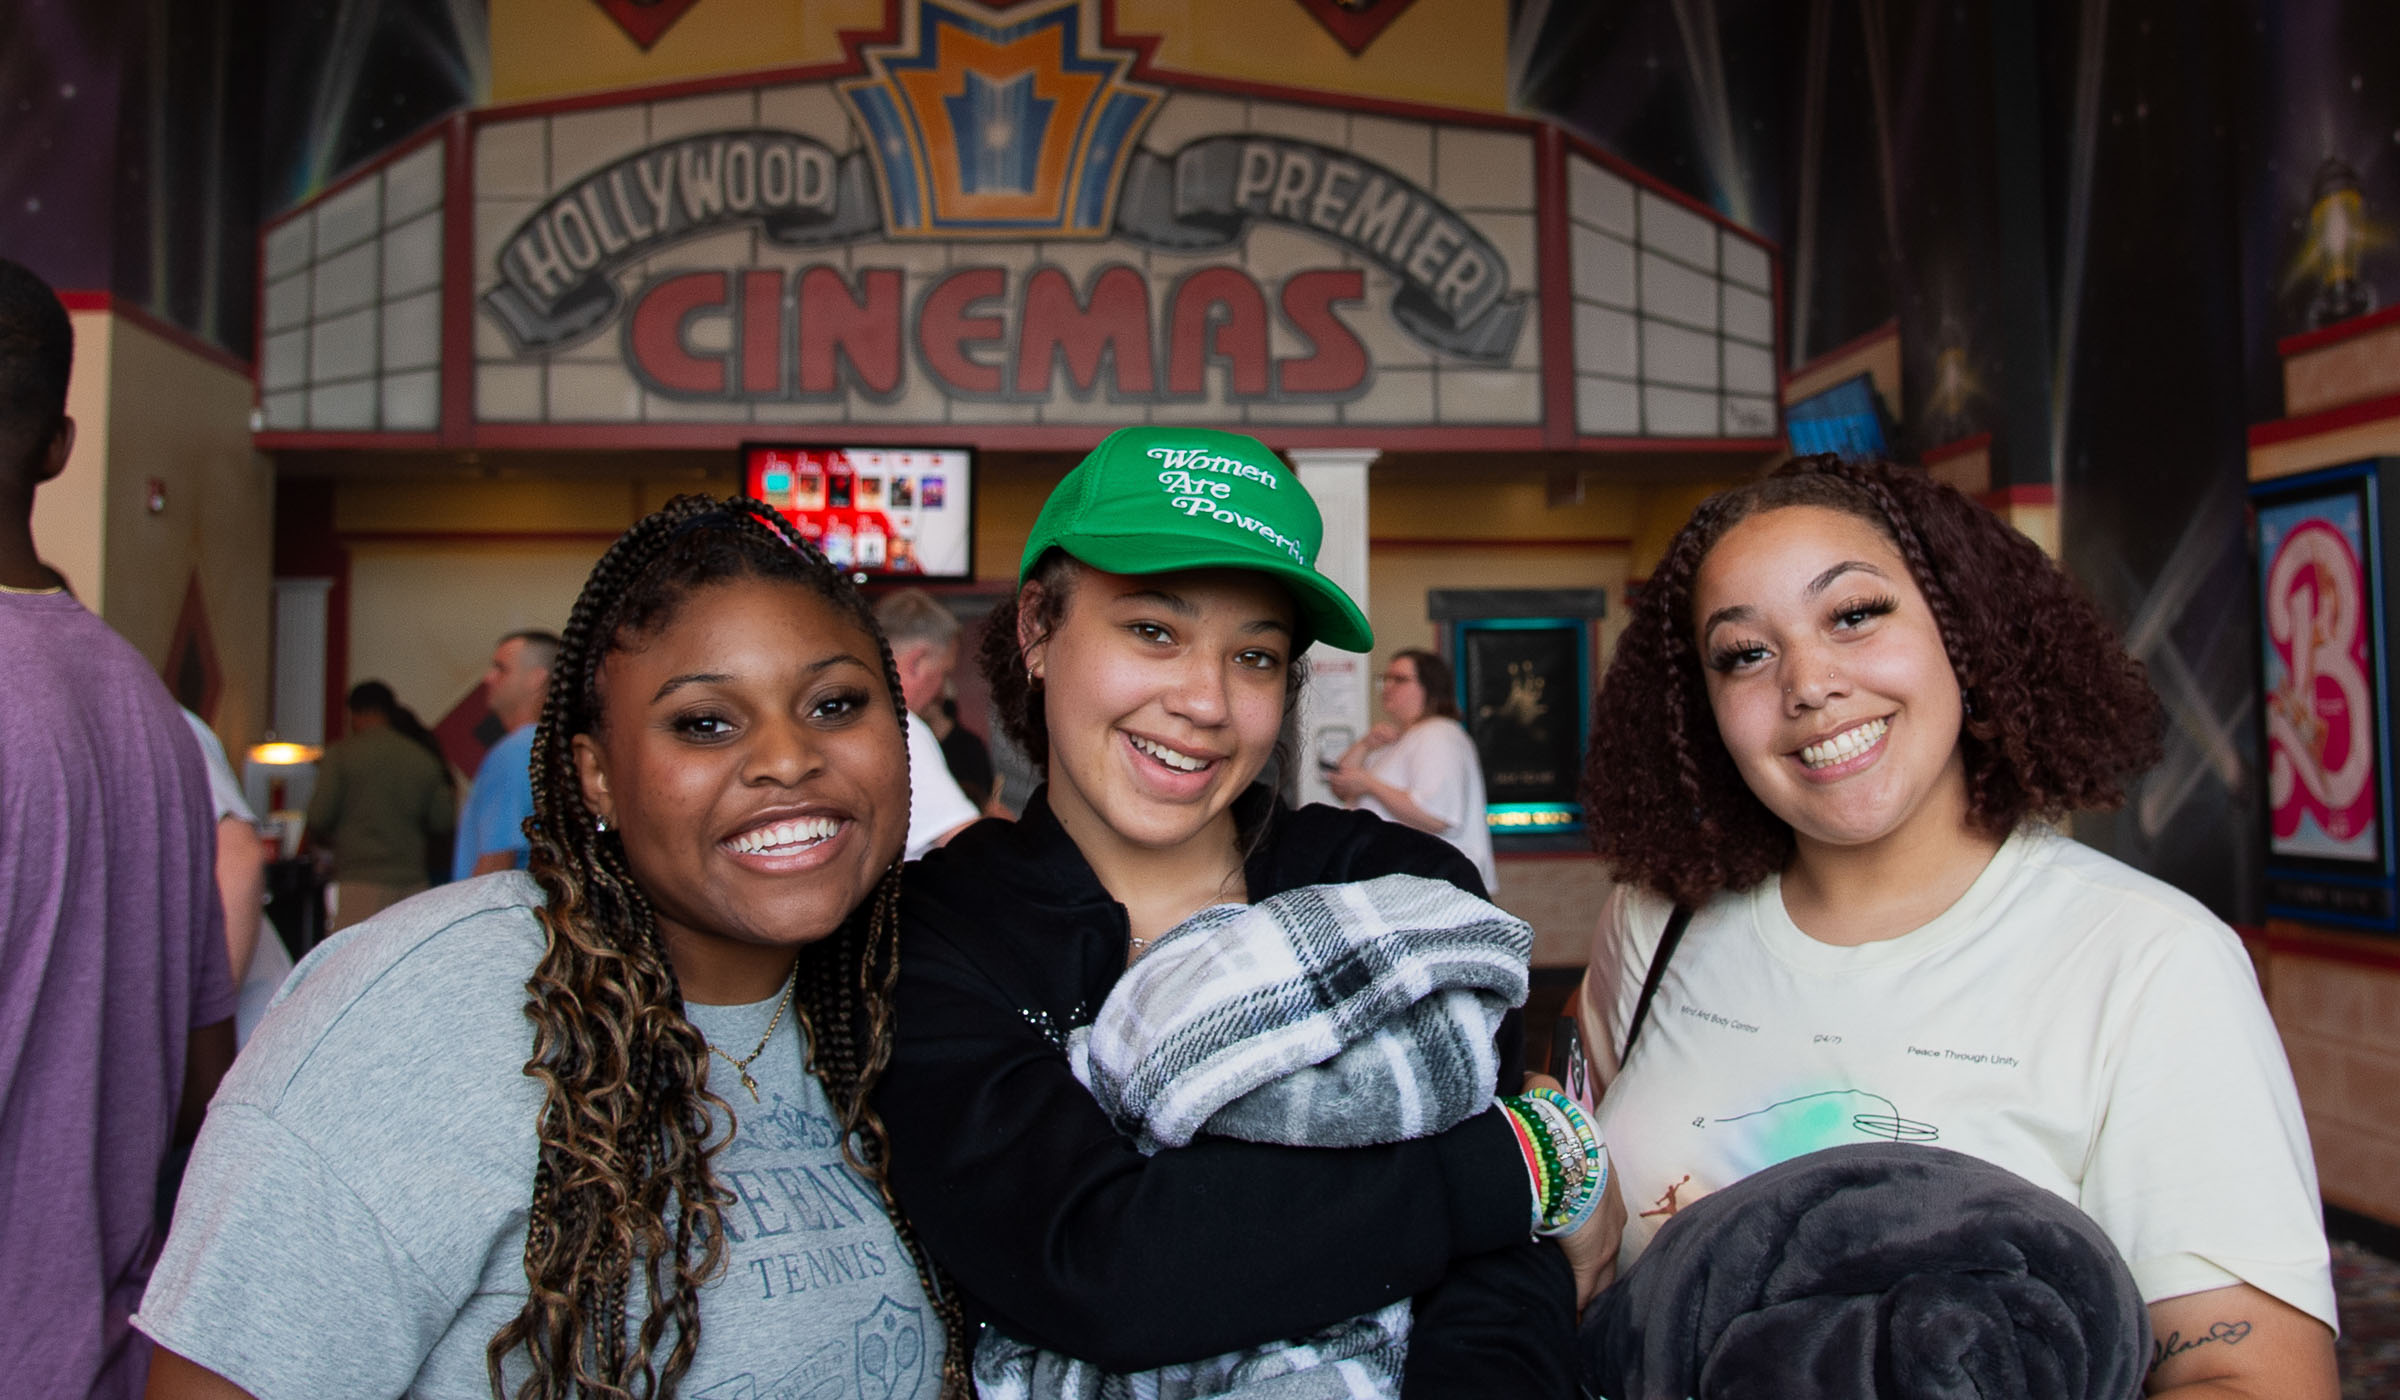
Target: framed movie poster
[
  {"x": 2323, "y": 701},
  {"x": 1525, "y": 697}
]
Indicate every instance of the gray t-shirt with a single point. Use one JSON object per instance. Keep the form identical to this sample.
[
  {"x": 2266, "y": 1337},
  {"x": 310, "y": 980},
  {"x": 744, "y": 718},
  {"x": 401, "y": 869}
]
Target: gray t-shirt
[{"x": 353, "y": 1222}]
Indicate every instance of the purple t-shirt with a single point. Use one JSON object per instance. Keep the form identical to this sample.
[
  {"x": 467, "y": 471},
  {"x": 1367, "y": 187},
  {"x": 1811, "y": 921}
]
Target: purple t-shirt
[{"x": 112, "y": 947}]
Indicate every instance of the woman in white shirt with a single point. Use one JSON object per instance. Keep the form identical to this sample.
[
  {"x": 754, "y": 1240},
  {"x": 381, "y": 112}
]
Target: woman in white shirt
[
  {"x": 1837, "y": 732},
  {"x": 1420, "y": 767}
]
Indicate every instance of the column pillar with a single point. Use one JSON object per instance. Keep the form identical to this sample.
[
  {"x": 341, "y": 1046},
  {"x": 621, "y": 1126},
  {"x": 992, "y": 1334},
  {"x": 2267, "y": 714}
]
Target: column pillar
[{"x": 1338, "y": 705}]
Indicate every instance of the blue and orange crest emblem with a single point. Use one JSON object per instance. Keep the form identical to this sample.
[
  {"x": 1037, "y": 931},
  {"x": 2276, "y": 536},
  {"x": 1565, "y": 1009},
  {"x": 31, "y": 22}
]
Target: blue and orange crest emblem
[{"x": 990, "y": 125}]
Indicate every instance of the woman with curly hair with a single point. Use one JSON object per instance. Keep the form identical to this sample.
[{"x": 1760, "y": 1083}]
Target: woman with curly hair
[
  {"x": 1828, "y": 754},
  {"x": 602, "y": 1128}
]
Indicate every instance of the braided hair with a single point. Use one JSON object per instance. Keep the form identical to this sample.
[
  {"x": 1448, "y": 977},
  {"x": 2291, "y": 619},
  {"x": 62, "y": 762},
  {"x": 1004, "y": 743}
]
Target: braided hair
[
  {"x": 625, "y": 1117},
  {"x": 2058, "y": 717}
]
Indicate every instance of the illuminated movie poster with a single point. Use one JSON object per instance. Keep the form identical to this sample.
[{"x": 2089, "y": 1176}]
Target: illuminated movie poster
[{"x": 2322, "y": 711}]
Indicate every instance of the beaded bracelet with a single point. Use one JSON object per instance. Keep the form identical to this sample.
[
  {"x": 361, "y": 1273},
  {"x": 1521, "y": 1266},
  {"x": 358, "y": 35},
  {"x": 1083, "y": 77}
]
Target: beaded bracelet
[
  {"x": 1588, "y": 1176},
  {"x": 1529, "y": 1134},
  {"x": 1563, "y": 1157}
]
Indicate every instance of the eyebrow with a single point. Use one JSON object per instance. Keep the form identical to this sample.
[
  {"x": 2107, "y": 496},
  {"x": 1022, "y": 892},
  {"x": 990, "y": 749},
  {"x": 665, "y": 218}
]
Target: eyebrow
[
  {"x": 1825, "y": 580},
  {"x": 692, "y": 678},
  {"x": 1175, "y": 603},
  {"x": 1743, "y": 612},
  {"x": 1184, "y": 607}
]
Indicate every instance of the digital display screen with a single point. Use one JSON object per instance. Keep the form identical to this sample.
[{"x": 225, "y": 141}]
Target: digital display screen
[
  {"x": 1846, "y": 420},
  {"x": 886, "y": 512}
]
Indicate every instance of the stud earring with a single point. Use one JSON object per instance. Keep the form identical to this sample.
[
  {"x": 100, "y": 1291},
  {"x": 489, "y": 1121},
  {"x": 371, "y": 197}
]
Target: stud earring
[{"x": 600, "y": 824}]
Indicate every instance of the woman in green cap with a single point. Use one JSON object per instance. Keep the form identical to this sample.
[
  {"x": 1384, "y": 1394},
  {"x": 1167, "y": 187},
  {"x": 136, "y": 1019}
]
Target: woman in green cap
[{"x": 1149, "y": 661}]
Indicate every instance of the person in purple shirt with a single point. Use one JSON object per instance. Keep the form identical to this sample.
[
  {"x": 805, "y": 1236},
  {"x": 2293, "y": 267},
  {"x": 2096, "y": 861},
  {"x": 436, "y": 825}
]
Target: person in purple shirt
[{"x": 116, "y": 1011}]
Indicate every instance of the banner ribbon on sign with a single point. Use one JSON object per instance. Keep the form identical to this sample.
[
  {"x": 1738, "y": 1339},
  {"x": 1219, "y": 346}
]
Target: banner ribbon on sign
[
  {"x": 1453, "y": 294},
  {"x": 557, "y": 271}
]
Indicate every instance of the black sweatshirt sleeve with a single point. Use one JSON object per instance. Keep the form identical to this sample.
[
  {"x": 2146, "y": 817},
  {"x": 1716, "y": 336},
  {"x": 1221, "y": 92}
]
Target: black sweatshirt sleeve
[
  {"x": 1501, "y": 1323},
  {"x": 1067, "y": 1237}
]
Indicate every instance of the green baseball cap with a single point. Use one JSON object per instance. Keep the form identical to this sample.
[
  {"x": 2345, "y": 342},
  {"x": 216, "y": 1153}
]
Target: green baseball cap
[{"x": 1151, "y": 500}]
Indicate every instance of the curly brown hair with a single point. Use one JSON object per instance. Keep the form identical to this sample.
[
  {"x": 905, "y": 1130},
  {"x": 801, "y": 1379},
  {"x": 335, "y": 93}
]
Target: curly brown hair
[
  {"x": 2059, "y": 717},
  {"x": 624, "y": 1174}
]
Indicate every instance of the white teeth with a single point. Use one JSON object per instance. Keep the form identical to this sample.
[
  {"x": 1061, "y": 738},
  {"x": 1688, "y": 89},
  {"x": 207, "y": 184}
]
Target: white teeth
[
  {"x": 1850, "y": 743},
  {"x": 1180, "y": 762},
  {"x": 785, "y": 836}
]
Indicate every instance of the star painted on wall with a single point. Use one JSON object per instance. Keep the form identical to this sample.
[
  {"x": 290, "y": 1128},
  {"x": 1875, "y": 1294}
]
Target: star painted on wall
[{"x": 644, "y": 20}]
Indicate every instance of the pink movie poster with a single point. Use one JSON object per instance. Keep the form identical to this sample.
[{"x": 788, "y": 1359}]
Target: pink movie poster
[{"x": 2322, "y": 787}]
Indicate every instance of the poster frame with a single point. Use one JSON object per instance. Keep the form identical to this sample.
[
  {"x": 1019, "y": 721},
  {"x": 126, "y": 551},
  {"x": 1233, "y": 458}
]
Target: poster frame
[
  {"x": 2346, "y": 892},
  {"x": 1524, "y": 819}
]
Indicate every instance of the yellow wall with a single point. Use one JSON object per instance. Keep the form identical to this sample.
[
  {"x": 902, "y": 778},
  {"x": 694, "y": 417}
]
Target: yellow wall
[
  {"x": 441, "y": 565},
  {"x": 423, "y": 617},
  {"x": 70, "y": 511},
  {"x": 550, "y": 48},
  {"x": 146, "y": 407},
  {"x": 1451, "y": 53}
]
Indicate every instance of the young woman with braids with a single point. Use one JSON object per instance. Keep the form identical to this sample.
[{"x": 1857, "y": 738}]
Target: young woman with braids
[
  {"x": 1835, "y": 733},
  {"x": 602, "y": 1128},
  {"x": 1148, "y": 662}
]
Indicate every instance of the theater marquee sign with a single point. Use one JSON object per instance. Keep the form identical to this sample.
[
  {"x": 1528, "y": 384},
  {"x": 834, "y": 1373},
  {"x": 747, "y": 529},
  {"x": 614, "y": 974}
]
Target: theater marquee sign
[{"x": 995, "y": 223}]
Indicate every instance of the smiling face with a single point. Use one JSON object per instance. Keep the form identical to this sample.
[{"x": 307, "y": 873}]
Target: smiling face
[
  {"x": 1829, "y": 682},
  {"x": 749, "y": 758},
  {"x": 1163, "y": 695}
]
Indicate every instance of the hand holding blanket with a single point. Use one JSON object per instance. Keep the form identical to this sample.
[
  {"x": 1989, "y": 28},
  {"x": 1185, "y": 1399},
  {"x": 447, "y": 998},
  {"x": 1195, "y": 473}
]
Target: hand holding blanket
[
  {"x": 1327, "y": 1016},
  {"x": 1873, "y": 1272}
]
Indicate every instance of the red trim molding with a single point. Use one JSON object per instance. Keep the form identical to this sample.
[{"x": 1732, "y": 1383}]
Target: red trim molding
[
  {"x": 1889, "y": 330},
  {"x": 2349, "y": 415},
  {"x": 1980, "y": 442},
  {"x": 1554, "y": 265},
  {"x": 306, "y": 441},
  {"x": 2283, "y": 938},
  {"x": 134, "y": 313},
  {"x": 457, "y": 370},
  {"x": 2338, "y": 332},
  {"x": 2008, "y": 496}
]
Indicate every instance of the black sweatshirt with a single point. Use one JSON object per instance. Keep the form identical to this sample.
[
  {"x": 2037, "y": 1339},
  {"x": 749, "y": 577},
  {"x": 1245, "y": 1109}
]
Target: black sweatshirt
[{"x": 1061, "y": 1233}]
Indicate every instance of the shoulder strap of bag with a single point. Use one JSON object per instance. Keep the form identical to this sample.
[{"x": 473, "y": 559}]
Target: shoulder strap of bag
[{"x": 1667, "y": 940}]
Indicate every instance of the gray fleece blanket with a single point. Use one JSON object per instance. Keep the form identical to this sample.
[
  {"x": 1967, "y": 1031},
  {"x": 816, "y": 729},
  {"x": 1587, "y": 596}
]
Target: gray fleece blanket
[
  {"x": 1327, "y": 1016},
  {"x": 1872, "y": 1272}
]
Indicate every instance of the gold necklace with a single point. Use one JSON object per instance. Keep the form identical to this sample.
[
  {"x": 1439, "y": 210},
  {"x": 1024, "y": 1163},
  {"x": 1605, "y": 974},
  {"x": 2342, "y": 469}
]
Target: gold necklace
[
  {"x": 742, "y": 1065},
  {"x": 33, "y": 592}
]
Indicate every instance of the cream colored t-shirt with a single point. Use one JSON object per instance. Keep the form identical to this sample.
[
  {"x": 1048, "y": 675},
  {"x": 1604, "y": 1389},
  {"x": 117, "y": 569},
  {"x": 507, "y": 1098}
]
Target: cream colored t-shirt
[
  {"x": 2091, "y": 1029},
  {"x": 1434, "y": 761}
]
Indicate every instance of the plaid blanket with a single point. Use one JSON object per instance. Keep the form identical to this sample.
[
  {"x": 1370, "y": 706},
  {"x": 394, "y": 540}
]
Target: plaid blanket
[{"x": 1328, "y": 1016}]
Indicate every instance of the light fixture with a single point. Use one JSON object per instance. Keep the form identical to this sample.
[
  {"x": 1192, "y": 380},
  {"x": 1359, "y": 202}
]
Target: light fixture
[
  {"x": 2338, "y": 234},
  {"x": 276, "y": 754}
]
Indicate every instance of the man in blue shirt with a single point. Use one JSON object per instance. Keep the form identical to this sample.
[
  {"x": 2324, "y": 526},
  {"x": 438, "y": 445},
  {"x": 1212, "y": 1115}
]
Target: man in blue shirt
[{"x": 491, "y": 831}]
